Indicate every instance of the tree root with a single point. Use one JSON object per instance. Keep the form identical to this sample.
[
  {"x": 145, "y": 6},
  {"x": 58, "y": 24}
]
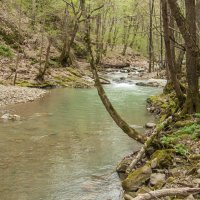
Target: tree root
[{"x": 164, "y": 192}]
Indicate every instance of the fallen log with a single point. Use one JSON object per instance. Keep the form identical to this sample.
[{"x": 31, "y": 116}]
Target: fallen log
[
  {"x": 117, "y": 65},
  {"x": 184, "y": 192}
]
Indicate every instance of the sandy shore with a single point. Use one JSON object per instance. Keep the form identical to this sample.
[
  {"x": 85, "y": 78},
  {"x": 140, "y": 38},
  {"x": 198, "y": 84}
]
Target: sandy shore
[{"x": 13, "y": 94}]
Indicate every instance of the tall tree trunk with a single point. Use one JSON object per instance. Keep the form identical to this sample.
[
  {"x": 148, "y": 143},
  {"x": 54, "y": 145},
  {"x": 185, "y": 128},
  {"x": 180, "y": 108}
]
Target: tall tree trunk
[
  {"x": 18, "y": 49},
  {"x": 126, "y": 36},
  {"x": 42, "y": 72},
  {"x": 193, "y": 102},
  {"x": 63, "y": 59},
  {"x": 151, "y": 56},
  {"x": 98, "y": 35},
  {"x": 110, "y": 34},
  {"x": 33, "y": 12},
  {"x": 188, "y": 31},
  {"x": 115, "y": 34},
  {"x": 170, "y": 61},
  {"x": 161, "y": 39},
  {"x": 113, "y": 113}
]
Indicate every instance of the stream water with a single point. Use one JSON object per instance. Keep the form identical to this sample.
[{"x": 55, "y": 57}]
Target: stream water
[{"x": 66, "y": 146}]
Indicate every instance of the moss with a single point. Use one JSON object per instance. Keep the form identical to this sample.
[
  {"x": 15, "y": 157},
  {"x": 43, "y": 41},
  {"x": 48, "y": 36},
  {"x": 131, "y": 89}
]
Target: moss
[
  {"x": 163, "y": 158},
  {"x": 74, "y": 72},
  {"x": 5, "y": 51},
  {"x": 137, "y": 178},
  {"x": 35, "y": 85},
  {"x": 162, "y": 119},
  {"x": 170, "y": 179},
  {"x": 180, "y": 124},
  {"x": 194, "y": 157}
]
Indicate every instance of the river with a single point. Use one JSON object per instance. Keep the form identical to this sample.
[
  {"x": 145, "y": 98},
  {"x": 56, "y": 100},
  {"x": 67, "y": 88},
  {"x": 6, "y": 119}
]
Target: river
[{"x": 66, "y": 146}]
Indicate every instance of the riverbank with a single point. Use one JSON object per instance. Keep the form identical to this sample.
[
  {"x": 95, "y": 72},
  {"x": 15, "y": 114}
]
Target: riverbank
[
  {"x": 171, "y": 161},
  {"x": 14, "y": 94}
]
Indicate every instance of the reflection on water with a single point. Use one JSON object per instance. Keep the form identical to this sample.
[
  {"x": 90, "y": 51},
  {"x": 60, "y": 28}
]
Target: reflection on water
[{"x": 66, "y": 147}]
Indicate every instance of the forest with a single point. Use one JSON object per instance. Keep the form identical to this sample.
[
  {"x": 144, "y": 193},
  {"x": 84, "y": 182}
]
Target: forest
[{"x": 99, "y": 100}]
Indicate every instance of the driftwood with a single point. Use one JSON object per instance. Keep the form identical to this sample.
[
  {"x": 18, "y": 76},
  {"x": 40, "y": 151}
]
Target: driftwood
[
  {"x": 149, "y": 141},
  {"x": 116, "y": 65},
  {"x": 184, "y": 192}
]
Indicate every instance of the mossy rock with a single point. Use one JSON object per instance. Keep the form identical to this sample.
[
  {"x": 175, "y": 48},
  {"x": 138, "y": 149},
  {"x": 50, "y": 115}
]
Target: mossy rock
[
  {"x": 162, "y": 158},
  {"x": 194, "y": 157},
  {"x": 168, "y": 88},
  {"x": 35, "y": 85},
  {"x": 137, "y": 178},
  {"x": 143, "y": 190},
  {"x": 180, "y": 124}
]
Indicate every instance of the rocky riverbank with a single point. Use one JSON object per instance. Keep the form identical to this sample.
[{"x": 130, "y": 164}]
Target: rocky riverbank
[
  {"x": 14, "y": 94},
  {"x": 170, "y": 167}
]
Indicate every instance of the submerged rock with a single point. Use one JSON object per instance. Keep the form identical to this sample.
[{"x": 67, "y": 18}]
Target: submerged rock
[{"x": 8, "y": 116}]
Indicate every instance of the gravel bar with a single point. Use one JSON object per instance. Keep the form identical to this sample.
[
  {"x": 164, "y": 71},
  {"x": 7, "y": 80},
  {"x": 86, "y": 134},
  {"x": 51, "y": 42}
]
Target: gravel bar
[{"x": 14, "y": 94}]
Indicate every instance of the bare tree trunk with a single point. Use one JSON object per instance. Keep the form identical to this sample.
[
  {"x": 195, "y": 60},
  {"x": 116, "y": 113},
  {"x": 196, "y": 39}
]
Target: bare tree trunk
[
  {"x": 172, "y": 39},
  {"x": 18, "y": 50},
  {"x": 170, "y": 61},
  {"x": 151, "y": 54},
  {"x": 98, "y": 33},
  {"x": 179, "y": 63},
  {"x": 193, "y": 101},
  {"x": 43, "y": 71},
  {"x": 134, "y": 35},
  {"x": 115, "y": 116},
  {"x": 33, "y": 12},
  {"x": 161, "y": 39},
  {"x": 115, "y": 34},
  {"x": 188, "y": 31},
  {"x": 110, "y": 34},
  {"x": 127, "y": 35},
  {"x": 63, "y": 59}
]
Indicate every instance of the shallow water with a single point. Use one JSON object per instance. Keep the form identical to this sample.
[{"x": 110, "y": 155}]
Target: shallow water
[{"x": 66, "y": 146}]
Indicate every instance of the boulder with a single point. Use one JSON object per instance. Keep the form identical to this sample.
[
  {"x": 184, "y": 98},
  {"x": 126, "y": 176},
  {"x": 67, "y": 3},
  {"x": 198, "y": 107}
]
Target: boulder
[
  {"x": 157, "y": 179},
  {"x": 137, "y": 178},
  {"x": 162, "y": 159},
  {"x": 150, "y": 125}
]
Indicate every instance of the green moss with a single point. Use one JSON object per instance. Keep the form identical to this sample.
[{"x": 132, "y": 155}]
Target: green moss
[
  {"x": 137, "y": 178},
  {"x": 5, "y": 51},
  {"x": 197, "y": 115},
  {"x": 35, "y": 85},
  {"x": 189, "y": 130},
  {"x": 181, "y": 149},
  {"x": 163, "y": 158},
  {"x": 184, "y": 123}
]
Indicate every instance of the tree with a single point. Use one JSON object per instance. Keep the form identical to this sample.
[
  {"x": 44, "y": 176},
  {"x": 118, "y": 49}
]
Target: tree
[
  {"x": 187, "y": 27},
  {"x": 170, "y": 59},
  {"x": 109, "y": 107}
]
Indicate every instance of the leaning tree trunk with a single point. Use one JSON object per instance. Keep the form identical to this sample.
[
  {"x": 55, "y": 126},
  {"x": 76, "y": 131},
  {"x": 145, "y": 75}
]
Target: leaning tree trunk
[
  {"x": 109, "y": 107},
  {"x": 170, "y": 60},
  {"x": 188, "y": 31}
]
